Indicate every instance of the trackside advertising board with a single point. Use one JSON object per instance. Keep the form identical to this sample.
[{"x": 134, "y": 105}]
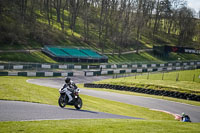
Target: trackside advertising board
[{"x": 168, "y": 49}]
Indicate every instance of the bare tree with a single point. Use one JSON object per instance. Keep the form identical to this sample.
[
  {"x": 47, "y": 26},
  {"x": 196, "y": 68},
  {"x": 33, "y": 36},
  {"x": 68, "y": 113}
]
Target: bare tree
[
  {"x": 47, "y": 4},
  {"x": 187, "y": 25},
  {"x": 171, "y": 13},
  {"x": 104, "y": 22},
  {"x": 114, "y": 23},
  {"x": 86, "y": 18},
  {"x": 159, "y": 9},
  {"x": 57, "y": 6},
  {"x": 74, "y": 6},
  {"x": 23, "y": 9},
  {"x": 198, "y": 14},
  {"x": 62, "y": 21}
]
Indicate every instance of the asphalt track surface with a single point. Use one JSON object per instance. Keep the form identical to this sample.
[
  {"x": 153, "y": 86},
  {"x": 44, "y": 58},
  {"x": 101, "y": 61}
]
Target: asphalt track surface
[
  {"x": 26, "y": 111},
  {"x": 151, "y": 103}
]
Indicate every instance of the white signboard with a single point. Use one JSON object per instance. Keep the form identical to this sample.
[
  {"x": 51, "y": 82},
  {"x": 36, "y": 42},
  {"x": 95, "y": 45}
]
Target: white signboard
[
  {"x": 134, "y": 66},
  {"x": 124, "y": 66},
  {"x": 102, "y": 66},
  {"x": 77, "y": 67},
  {"x": 18, "y": 67},
  {"x": 1, "y": 67},
  {"x": 62, "y": 66},
  {"x": 31, "y": 74},
  {"x": 144, "y": 65},
  {"x": 46, "y": 66},
  {"x": 48, "y": 74}
]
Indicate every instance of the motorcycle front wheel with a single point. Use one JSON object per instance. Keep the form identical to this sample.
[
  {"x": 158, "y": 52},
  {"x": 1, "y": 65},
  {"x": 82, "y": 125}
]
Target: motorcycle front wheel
[
  {"x": 78, "y": 104},
  {"x": 61, "y": 101}
]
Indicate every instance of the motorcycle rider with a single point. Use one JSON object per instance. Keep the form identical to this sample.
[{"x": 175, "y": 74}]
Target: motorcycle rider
[
  {"x": 185, "y": 118},
  {"x": 71, "y": 86}
]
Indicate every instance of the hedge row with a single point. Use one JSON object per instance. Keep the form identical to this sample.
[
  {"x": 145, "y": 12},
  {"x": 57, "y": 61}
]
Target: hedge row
[{"x": 173, "y": 94}]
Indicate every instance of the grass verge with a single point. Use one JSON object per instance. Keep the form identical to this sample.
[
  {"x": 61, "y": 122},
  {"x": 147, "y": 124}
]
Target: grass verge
[
  {"x": 100, "y": 126},
  {"x": 162, "y": 81},
  {"x": 26, "y": 57}
]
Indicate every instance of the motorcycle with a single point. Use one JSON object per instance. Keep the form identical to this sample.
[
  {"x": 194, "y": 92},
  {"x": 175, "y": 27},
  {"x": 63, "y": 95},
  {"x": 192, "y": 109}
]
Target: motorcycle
[{"x": 63, "y": 99}]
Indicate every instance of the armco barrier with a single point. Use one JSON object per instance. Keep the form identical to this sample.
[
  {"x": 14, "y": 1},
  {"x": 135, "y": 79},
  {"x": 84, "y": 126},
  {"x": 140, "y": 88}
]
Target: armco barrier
[
  {"x": 28, "y": 66},
  {"x": 147, "y": 91},
  {"x": 37, "y": 74},
  {"x": 138, "y": 70}
]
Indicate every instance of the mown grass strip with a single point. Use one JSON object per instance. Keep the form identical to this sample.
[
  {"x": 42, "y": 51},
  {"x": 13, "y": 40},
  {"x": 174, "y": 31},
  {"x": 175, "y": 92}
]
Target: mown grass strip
[
  {"x": 185, "y": 83},
  {"x": 26, "y": 57},
  {"x": 100, "y": 126}
]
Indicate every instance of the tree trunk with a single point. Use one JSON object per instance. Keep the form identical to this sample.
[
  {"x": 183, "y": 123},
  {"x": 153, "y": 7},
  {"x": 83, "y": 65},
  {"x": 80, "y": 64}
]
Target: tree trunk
[{"x": 157, "y": 18}]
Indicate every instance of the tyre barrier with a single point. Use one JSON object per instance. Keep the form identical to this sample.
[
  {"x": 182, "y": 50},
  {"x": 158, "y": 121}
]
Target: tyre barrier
[{"x": 166, "y": 93}]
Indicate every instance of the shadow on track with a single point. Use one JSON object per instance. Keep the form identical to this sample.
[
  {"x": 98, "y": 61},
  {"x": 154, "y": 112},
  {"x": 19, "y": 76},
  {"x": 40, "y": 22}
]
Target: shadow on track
[{"x": 81, "y": 110}]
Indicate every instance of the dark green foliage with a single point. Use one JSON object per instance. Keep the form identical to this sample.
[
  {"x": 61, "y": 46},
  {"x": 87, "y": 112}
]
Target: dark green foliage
[{"x": 106, "y": 26}]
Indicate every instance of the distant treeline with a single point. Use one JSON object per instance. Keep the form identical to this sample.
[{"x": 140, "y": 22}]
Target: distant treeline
[{"x": 118, "y": 23}]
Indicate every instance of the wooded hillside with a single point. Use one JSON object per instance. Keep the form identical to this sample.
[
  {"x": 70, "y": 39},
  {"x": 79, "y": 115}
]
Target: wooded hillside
[{"x": 106, "y": 24}]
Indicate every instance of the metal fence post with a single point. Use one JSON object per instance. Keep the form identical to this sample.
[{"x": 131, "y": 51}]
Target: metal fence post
[
  {"x": 193, "y": 77},
  {"x": 163, "y": 76},
  {"x": 177, "y": 76}
]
